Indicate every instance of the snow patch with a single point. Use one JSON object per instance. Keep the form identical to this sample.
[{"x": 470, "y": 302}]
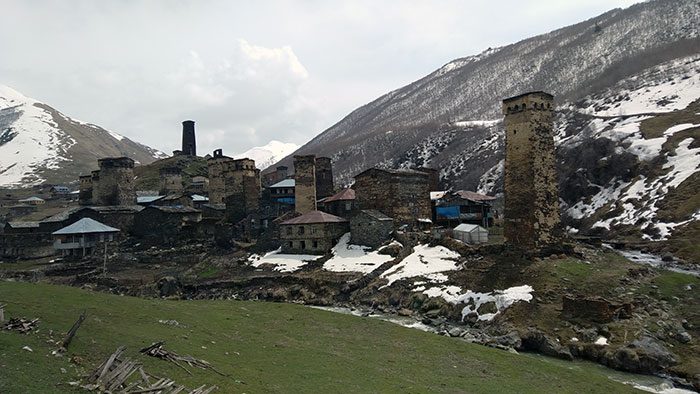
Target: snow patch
[
  {"x": 424, "y": 261},
  {"x": 354, "y": 258},
  {"x": 282, "y": 262},
  {"x": 473, "y": 300}
]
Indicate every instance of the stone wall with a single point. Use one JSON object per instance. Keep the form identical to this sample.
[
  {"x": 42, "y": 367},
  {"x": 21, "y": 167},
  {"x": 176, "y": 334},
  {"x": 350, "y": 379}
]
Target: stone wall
[
  {"x": 305, "y": 183},
  {"x": 324, "y": 178},
  {"x": 403, "y": 195},
  {"x": 368, "y": 230},
  {"x": 531, "y": 212},
  {"x": 85, "y": 191},
  {"x": 171, "y": 181},
  {"x": 116, "y": 182},
  {"x": 313, "y": 238}
]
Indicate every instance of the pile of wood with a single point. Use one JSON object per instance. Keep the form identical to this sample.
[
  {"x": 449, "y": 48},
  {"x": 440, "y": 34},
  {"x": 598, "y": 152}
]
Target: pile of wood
[
  {"x": 157, "y": 350},
  {"x": 22, "y": 325},
  {"x": 118, "y": 374}
]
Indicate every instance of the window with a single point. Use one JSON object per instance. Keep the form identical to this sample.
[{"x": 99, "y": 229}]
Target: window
[
  {"x": 302, "y": 244},
  {"x": 312, "y": 230},
  {"x": 315, "y": 244},
  {"x": 301, "y": 230},
  {"x": 289, "y": 231},
  {"x": 348, "y": 206},
  {"x": 291, "y": 244}
]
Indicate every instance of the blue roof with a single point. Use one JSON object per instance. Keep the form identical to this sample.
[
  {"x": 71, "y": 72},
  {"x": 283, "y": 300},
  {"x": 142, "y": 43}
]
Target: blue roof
[{"x": 285, "y": 183}]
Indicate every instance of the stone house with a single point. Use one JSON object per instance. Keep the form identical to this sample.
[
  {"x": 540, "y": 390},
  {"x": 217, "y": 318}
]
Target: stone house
[
  {"x": 33, "y": 200},
  {"x": 174, "y": 200},
  {"x": 403, "y": 195},
  {"x": 314, "y": 232},
  {"x": 340, "y": 204},
  {"x": 370, "y": 228},
  {"x": 166, "y": 225},
  {"x": 199, "y": 184}
]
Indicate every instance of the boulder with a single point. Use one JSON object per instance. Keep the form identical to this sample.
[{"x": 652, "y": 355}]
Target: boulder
[
  {"x": 455, "y": 332},
  {"x": 645, "y": 355},
  {"x": 512, "y": 340},
  {"x": 393, "y": 249},
  {"x": 535, "y": 340},
  {"x": 595, "y": 309},
  {"x": 168, "y": 286},
  {"x": 489, "y": 307}
]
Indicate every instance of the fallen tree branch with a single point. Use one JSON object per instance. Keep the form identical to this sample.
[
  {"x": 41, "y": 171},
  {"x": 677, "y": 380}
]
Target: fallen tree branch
[
  {"x": 71, "y": 333},
  {"x": 156, "y": 350}
]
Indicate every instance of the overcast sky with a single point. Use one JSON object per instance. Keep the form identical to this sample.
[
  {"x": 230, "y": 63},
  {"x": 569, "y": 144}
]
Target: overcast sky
[{"x": 247, "y": 71}]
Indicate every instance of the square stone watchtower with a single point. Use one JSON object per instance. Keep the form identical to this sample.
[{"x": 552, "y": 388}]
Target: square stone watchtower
[
  {"x": 531, "y": 193},
  {"x": 304, "y": 183}
]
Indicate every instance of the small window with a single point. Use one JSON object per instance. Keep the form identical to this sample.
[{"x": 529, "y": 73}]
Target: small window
[
  {"x": 348, "y": 206},
  {"x": 291, "y": 244},
  {"x": 301, "y": 230},
  {"x": 315, "y": 244},
  {"x": 302, "y": 244},
  {"x": 515, "y": 132}
]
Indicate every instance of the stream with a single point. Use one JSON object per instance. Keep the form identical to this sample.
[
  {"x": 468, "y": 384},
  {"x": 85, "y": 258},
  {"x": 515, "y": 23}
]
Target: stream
[
  {"x": 640, "y": 257},
  {"x": 648, "y": 383}
]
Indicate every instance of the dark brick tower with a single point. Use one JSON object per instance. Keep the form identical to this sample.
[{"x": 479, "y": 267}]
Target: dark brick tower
[
  {"x": 530, "y": 181},
  {"x": 189, "y": 142},
  {"x": 304, "y": 183}
]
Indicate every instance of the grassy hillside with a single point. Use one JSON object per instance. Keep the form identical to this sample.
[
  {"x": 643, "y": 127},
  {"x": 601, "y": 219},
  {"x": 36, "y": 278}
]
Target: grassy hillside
[
  {"x": 265, "y": 347},
  {"x": 148, "y": 176}
]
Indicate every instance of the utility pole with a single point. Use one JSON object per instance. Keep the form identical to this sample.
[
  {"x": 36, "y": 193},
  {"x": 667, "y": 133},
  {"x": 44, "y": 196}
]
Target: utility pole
[{"x": 104, "y": 263}]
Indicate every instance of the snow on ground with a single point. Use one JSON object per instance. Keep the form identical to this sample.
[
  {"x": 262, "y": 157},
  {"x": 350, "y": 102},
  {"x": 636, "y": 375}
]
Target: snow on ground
[
  {"x": 354, "y": 258},
  {"x": 116, "y": 136},
  {"x": 473, "y": 300},
  {"x": 668, "y": 87},
  {"x": 38, "y": 141},
  {"x": 424, "y": 261},
  {"x": 476, "y": 123},
  {"x": 282, "y": 262}
]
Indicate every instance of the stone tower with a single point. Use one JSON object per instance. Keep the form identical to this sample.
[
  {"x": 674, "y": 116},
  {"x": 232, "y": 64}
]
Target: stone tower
[
  {"x": 189, "y": 142},
  {"x": 531, "y": 193},
  {"x": 228, "y": 177},
  {"x": 324, "y": 177},
  {"x": 116, "y": 182},
  {"x": 170, "y": 181},
  {"x": 85, "y": 191},
  {"x": 304, "y": 183}
]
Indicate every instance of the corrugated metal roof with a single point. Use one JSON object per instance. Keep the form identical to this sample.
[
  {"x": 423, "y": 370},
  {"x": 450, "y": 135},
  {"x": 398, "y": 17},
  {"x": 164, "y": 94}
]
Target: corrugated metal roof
[
  {"x": 285, "y": 183},
  {"x": 467, "y": 195},
  {"x": 315, "y": 217},
  {"x": 198, "y": 198},
  {"x": 468, "y": 228},
  {"x": 86, "y": 226},
  {"x": 345, "y": 195},
  {"x": 32, "y": 198},
  {"x": 147, "y": 199},
  {"x": 23, "y": 224},
  {"x": 178, "y": 209}
]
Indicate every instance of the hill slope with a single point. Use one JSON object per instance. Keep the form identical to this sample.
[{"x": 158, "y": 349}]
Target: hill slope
[
  {"x": 602, "y": 71},
  {"x": 40, "y": 144},
  {"x": 264, "y": 347}
]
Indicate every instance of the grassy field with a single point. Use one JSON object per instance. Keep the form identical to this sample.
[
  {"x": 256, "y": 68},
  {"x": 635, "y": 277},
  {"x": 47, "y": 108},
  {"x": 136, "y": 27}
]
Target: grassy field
[{"x": 264, "y": 347}]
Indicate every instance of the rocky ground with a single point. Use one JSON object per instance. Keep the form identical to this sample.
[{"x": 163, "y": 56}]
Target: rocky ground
[{"x": 585, "y": 302}]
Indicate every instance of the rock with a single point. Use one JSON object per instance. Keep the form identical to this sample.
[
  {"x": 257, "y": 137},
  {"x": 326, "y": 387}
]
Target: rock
[
  {"x": 27, "y": 348},
  {"x": 393, "y": 249},
  {"x": 471, "y": 318},
  {"x": 455, "y": 332},
  {"x": 644, "y": 355},
  {"x": 667, "y": 257},
  {"x": 686, "y": 324},
  {"x": 433, "y": 313},
  {"x": 535, "y": 340},
  {"x": 587, "y": 334},
  {"x": 489, "y": 307},
  {"x": 683, "y": 337},
  {"x": 512, "y": 340},
  {"x": 405, "y": 312},
  {"x": 168, "y": 286},
  {"x": 595, "y": 309}
]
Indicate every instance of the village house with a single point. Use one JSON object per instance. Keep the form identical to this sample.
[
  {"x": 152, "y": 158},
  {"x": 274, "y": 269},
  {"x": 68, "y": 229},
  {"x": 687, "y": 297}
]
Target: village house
[
  {"x": 166, "y": 224},
  {"x": 199, "y": 184},
  {"x": 33, "y": 200},
  {"x": 403, "y": 195},
  {"x": 282, "y": 192},
  {"x": 370, "y": 228},
  {"x": 340, "y": 204},
  {"x": 60, "y": 192},
  {"x": 314, "y": 232},
  {"x": 462, "y": 206},
  {"x": 83, "y": 237}
]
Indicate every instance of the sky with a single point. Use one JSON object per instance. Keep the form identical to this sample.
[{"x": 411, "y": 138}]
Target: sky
[{"x": 248, "y": 71}]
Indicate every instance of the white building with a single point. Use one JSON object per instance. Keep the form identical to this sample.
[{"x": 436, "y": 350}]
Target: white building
[{"x": 470, "y": 234}]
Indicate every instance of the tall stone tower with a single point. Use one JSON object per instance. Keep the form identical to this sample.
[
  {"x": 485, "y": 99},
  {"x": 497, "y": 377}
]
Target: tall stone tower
[
  {"x": 116, "y": 182},
  {"x": 304, "y": 183},
  {"x": 189, "y": 142},
  {"x": 324, "y": 177},
  {"x": 170, "y": 181},
  {"x": 85, "y": 191},
  {"x": 229, "y": 177},
  {"x": 531, "y": 193}
]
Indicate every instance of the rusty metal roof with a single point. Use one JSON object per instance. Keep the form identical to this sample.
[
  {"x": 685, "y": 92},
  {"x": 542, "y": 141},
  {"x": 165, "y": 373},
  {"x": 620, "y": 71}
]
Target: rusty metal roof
[
  {"x": 315, "y": 217},
  {"x": 344, "y": 195},
  {"x": 472, "y": 196}
]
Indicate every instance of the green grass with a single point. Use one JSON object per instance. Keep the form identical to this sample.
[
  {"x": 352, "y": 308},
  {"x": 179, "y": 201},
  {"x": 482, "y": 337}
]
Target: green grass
[{"x": 269, "y": 347}]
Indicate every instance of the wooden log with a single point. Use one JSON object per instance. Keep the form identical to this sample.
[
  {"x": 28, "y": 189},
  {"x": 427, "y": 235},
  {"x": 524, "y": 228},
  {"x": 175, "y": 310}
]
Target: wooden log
[{"x": 71, "y": 333}]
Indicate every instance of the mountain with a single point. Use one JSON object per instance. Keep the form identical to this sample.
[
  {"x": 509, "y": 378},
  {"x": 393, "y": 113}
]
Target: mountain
[
  {"x": 39, "y": 144},
  {"x": 267, "y": 155},
  {"x": 627, "y": 85}
]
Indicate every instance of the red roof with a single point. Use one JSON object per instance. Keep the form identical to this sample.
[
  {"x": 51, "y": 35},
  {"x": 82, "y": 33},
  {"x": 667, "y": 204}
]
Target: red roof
[
  {"x": 467, "y": 195},
  {"x": 347, "y": 194},
  {"x": 315, "y": 217}
]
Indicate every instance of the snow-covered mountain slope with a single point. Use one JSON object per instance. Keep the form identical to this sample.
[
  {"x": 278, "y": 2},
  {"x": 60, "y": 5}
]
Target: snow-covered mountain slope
[
  {"x": 269, "y": 154},
  {"x": 39, "y": 144},
  {"x": 622, "y": 81}
]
